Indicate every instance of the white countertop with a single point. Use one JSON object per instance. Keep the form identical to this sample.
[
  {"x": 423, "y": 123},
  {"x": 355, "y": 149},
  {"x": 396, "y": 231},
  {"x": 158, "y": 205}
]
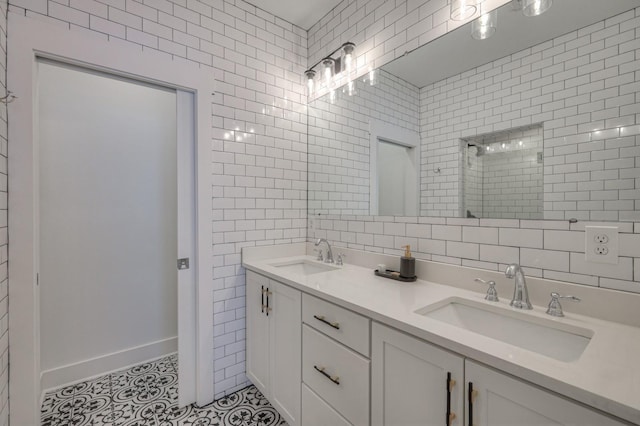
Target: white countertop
[{"x": 606, "y": 376}]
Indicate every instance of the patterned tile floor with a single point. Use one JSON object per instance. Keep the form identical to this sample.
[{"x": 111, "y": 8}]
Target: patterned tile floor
[{"x": 147, "y": 395}]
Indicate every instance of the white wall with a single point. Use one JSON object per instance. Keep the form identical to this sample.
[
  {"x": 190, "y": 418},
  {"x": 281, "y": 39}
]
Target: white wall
[
  {"x": 258, "y": 160},
  {"x": 108, "y": 218}
]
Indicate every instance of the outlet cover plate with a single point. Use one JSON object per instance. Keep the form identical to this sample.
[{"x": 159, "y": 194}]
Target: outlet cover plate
[{"x": 601, "y": 244}]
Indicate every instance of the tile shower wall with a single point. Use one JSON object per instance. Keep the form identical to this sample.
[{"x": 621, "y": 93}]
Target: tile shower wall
[
  {"x": 583, "y": 87},
  {"x": 4, "y": 299},
  {"x": 547, "y": 249},
  {"x": 339, "y": 141},
  {"x": 258, "y": 153},
  {"x": 510, "y": 177},
  {"x": 382, "y": 30}
]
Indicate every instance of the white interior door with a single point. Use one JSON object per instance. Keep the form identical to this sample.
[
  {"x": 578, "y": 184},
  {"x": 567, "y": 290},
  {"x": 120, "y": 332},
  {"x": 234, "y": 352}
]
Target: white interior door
[
  {"x": 186, "y": 248},
  {"x": 116, "y": 209}
]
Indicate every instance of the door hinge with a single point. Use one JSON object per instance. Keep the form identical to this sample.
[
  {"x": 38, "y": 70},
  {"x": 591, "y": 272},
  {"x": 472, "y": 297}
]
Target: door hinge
[{"x": 183, "y": 263}]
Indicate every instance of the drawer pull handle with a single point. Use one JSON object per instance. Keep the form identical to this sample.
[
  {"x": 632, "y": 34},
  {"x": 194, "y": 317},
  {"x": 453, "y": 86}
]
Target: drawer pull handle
[
  {"x": 320, "y": 318},
  {"x": 334, "y": 379}
]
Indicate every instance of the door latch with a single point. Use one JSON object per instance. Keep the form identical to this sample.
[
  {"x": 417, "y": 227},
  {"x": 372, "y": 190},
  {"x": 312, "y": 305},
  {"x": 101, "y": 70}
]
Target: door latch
[{"x": 183, "y": 263}]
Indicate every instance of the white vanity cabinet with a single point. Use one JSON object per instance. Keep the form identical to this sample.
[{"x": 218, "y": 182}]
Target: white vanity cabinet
[
  {"x": 501, "y": 400},
  {"x": 274, "y": 343},
  {"x": 414, "y": 382},
  {"x": 335, "y": 364},
  {"x": 411, "y": 385}
]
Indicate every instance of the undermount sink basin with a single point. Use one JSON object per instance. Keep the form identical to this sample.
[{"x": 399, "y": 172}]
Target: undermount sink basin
[
  {"x": 547, "y": 337},
  {"x": 304, "y": 267}
]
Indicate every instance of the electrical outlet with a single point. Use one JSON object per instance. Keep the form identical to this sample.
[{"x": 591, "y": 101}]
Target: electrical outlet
[
  {"x": 601, "y": 244},
  {"x": 601, "y": 238}
]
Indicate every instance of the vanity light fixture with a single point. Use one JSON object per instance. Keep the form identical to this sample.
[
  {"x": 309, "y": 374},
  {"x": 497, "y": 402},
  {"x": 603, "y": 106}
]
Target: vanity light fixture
[
  {"x": 485, "y": 26},
  {"x": 333, "y": 69},
  {"x": 463, "y": 9},
  {"x": 535, "y": 7}
]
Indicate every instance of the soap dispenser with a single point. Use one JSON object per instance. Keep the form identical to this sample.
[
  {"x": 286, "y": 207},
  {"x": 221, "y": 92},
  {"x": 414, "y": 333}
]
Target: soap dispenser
[{"x": 407, "y": 264}]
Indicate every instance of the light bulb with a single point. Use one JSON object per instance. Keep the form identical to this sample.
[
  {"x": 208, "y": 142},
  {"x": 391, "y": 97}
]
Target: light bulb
[
  {"x": 535, "y": 7},
  {"x": 373, "y": 76},
  {"x": 328, "y": 64},
  {"x": 350, "y": 88},
  {"x": 333, "y": 97},
  {"x": 348, "y": 53},
  {"x": 310, "y": 74},
  {"x": 485, "y": 26},
  {"x": 463, "y": 9}
]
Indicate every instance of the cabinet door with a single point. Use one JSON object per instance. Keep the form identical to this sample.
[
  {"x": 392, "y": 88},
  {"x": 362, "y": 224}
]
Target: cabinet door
[
  {"x": 409, "y": 381},
  {"x": 286, "y": 351},
  {"x": 505, "y": 401},
  {"x": 257, "y": 332}
]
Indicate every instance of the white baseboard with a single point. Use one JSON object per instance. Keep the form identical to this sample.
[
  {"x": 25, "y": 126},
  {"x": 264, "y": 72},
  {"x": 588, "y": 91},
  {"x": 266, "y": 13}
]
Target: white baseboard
[{"x": 98, "y": 366}]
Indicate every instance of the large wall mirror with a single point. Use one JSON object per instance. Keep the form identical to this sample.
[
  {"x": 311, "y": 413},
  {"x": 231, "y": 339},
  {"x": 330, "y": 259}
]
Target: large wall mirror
[{"x": 539, "y": 121}]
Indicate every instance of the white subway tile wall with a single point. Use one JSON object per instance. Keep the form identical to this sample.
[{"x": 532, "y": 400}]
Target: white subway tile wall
[
  {"x": 339, "y": 141},
  {"x": 259, "y": 148},
  {"x": 582, "y": 86},
  {"x": 555, "y": 253},
  {"x": 4, "y": 248}
]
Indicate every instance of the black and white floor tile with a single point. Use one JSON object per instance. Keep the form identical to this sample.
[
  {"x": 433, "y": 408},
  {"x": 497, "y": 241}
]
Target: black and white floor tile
[{"x": 147, "y": 395}]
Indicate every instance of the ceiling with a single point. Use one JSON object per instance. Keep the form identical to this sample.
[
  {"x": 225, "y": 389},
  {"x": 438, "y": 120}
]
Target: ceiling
[
  {"x": 457, "y": 51},
  {"x": 303, "y": 13}
]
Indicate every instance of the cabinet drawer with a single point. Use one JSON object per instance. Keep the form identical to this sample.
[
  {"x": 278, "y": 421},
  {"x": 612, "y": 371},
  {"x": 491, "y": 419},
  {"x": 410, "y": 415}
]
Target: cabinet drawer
[
  {"x": 337, "y": 374},
  {"x": 316, "y": 412},
  {"x": 341, "y": 324}
]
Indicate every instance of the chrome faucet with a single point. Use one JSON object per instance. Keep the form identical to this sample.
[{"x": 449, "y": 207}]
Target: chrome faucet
[
  {"x": 520, "y": 298},
  {"x": 329, "y": 258}
]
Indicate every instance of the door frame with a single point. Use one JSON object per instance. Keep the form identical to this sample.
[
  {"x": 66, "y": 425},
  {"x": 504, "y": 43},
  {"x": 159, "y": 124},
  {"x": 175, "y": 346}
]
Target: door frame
[{"x": 31, "y": 39}]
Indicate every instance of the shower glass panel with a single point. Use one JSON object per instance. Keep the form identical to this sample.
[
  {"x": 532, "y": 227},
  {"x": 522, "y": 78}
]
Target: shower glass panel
[{"x": 502, "y": 174}]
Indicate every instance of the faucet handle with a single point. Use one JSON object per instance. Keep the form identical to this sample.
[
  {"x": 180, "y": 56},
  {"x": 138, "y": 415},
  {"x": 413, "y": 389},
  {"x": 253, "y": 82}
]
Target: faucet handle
[
  {"x": 555, "y": 308},
  {"x": 492, "y": 293},
  {"x": 320, "y": 257},
  {"x": 340, "y": 259}
]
